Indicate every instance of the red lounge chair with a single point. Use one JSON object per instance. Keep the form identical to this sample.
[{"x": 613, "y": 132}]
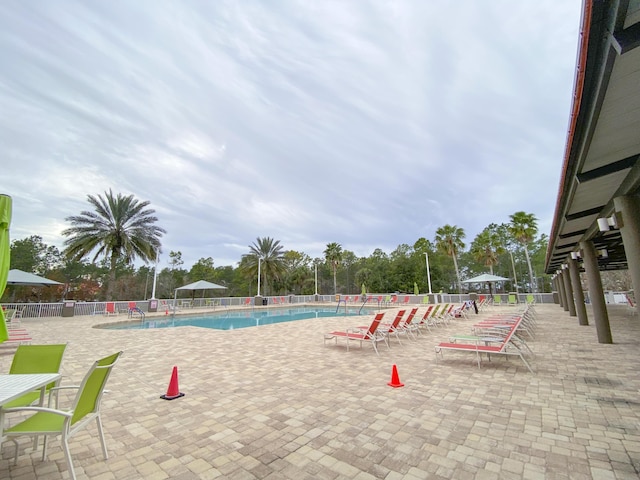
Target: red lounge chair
[
  {"x": 406, "y": 300},
  {"x": 370, "y": 335},
  {"x": 12, "y": 341},
  {"x": 110, "y": 309},
  {"x": 393, "y": 328},
  {"x": 425, "y": 320},
  {"x": 630, "y": 302},
  {"x": 17, "y": 337},
  {"x": 487, "y": 345},
  {"x": 460, "y": 311},
  {"x": 447, "y": 313},
  {"x": 408, "y": 326}
]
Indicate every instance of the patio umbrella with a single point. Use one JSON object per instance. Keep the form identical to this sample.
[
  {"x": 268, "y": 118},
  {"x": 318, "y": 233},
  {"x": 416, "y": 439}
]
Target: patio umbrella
[
  {"x": 199, "y": 285},
  {"x": 5, "y": 251},
  {"x": 486, "y": 278},
  {"x": 20, "y": 278}
]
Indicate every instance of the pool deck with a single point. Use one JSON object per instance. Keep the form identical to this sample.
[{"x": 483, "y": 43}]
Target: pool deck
[{"x": 274, "y": 402}]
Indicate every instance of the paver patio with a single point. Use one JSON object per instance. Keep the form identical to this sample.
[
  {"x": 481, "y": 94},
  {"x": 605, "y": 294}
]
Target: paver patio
[{"x": 272, "y": 402}]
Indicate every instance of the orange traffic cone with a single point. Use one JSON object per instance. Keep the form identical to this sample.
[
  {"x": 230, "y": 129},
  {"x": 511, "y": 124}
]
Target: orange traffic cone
[
  {"x": 395, "y": 380},
  {"x": 173, "y": 391}
]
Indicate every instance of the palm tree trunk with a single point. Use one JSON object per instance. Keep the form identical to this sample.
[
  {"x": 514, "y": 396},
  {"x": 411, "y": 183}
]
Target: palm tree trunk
[
  {"x": 455, "y": 264},
  {"x": 112, "y": 277},
  {"x": 531, "y": 279},
  {"x": 335, "y": 284},
  {"x": 513, "y": 265}
]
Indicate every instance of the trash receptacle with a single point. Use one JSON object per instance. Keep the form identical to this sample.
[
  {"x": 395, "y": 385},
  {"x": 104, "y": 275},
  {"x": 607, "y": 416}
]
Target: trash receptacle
[
  {"x": 473, "y": 296},
  {"x": 265, "y": 301},
  {"x": 556, "y": 298},
  {"x": 153, "y": 306},
  {"x": 337, "y": 297},
  {"x": 68, "y": 308},
  {"x": 291, "y": 299}
]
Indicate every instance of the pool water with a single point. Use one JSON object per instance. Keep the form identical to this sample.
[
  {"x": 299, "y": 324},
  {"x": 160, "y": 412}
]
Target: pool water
[{"x": 233, "y": 319}]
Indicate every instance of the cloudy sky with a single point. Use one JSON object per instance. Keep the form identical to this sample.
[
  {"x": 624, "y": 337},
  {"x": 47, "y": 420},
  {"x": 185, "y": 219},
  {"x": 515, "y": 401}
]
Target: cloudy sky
[{"x": 369, "y": 123}]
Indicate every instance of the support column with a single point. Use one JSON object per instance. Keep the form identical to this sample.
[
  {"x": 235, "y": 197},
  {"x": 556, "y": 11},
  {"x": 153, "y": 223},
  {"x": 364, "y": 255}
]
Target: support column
[
  {"x": 596, "y": 294},
  {"x": 578, "y": 294},
  {"x": 556, "y": 289},
  {"x": 571, "y": 304},
  {"x": 563, "y": 292},
  {"x": 629, "y": 208}
]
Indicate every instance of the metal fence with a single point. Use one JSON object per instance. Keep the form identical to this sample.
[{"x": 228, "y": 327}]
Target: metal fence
[{"x": 68, "y": 309}]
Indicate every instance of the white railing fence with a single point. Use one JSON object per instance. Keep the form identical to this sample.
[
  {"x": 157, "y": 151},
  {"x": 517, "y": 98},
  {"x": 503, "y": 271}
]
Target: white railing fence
[{"x": 70, "y": 308}]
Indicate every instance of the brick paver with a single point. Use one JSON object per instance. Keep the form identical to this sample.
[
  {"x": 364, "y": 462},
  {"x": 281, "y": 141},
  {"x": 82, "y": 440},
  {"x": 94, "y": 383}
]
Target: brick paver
[{"x": 273, "y": 402}]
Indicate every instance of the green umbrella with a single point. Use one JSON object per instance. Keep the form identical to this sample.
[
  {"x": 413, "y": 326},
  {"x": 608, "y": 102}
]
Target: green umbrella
[
  {"x": 415, "y": 289},
  {"x": 5, "y": 254}
]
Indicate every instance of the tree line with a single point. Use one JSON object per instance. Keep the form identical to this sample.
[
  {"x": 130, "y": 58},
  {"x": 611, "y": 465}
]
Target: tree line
[{"x": 103, "y": 244}]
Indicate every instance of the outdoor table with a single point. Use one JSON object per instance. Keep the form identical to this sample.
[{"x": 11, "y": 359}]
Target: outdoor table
[{"x": 13, "y": 386}]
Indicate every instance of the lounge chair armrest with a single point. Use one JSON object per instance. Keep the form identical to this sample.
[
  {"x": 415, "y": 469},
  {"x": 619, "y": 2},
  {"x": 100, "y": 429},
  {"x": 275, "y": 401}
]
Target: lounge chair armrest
[
  {"x": 496, "y": 332},
  {"x": 39, "y": 409},
  {"x": 66, "y": 387}
]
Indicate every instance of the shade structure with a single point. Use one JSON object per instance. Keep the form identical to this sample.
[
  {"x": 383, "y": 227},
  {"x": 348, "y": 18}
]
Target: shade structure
[
  {"x": 18, "y": 277},
  {"x": 5, "y": 256},
  {"x": 486, "y": 278},
  {"x": 199, "y": 285}
]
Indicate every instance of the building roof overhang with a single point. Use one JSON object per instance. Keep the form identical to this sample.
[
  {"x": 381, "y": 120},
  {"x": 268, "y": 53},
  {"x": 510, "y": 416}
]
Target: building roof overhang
[{"x": 602, "y": 154}]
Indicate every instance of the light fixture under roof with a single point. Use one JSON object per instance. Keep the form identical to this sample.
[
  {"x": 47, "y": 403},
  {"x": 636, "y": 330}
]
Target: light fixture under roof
[{"x": 606, "y": 223}]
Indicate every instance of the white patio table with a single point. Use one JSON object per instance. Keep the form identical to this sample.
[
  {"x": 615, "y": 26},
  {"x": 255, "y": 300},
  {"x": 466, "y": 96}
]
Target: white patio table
[{"x": 15, "y": 385}]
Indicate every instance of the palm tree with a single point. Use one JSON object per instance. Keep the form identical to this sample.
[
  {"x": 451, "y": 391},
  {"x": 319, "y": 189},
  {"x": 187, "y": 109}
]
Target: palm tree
[
  {"x": 486, "y": 247},
  {"x": 121, "y": 228},
  {"x": 268, "y": 255},
  {"x": 449, "y": 241},
  {"x": 508, "y": 245},
  {"x": 333, "y": 256},
  {"x": 524, "y": 227}
]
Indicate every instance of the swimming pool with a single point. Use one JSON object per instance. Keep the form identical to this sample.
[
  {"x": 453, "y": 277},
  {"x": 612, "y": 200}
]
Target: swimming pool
[{"x": 233, "y": 319}]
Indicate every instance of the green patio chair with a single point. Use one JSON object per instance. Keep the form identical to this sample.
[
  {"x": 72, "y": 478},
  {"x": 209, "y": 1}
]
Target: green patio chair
[
  {"x": 497, "y": 300},
  {"x": 512, "y": 299},
  {"x": 35, "y": 359},
  {"x": 86, "y": 407},
  {"x": 530, "y": 299},
  {"x": 425, "y": 300}
]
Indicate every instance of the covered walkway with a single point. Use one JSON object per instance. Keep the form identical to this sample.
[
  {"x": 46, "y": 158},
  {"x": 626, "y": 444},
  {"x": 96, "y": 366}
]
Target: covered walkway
[{"x": 597, "y": 219}]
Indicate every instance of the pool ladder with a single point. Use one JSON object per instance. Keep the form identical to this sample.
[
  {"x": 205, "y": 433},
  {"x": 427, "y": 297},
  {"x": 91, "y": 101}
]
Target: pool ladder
[{"x": 133, "y": 311}]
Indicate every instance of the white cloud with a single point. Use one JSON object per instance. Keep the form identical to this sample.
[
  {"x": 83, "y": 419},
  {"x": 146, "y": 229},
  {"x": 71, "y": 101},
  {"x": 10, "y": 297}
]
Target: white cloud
[{"x": 369, "y": 124}]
